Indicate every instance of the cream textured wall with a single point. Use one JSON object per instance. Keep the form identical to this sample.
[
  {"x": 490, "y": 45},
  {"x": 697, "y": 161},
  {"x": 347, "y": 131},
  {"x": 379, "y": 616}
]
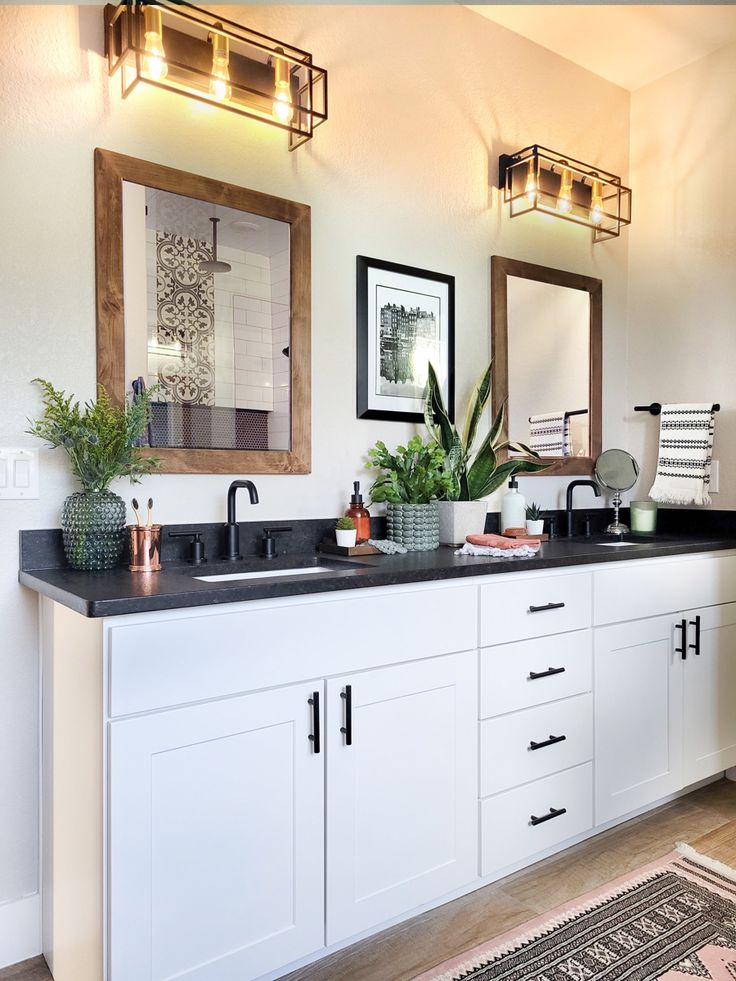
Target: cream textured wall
[
  {"x": 422, "y": 101},
  {"x": 682, "y": 339}
]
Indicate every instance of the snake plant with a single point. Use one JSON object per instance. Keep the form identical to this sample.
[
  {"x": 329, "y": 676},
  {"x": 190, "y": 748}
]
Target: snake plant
[{"x": 473, "y": 476}]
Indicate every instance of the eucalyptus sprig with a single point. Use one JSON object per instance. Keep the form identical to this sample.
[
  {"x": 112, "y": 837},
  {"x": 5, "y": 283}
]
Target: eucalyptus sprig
[{"x": 100, "y": 438}]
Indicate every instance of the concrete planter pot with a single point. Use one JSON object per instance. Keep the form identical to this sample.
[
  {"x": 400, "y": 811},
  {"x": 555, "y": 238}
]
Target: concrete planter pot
[
  {"x": 535, "y": 527},
  {"x": 458, "y": 519},
  {"x": 345, "y": 537}
]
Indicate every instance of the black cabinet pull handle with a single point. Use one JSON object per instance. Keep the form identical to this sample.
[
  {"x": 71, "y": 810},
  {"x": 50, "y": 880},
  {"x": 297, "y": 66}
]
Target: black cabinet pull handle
[
  {"x": 347, "y": 729},
  {"x": 682, "y": 625},
  {"x": 547, "y": 742},
  {"x": 547, "y": 606},
  {"x": 696, "y": 646},
  {"x": 553, "y": 813},
  {"x": 533, "y": 675},
  {"x": 314, "y": 737}
]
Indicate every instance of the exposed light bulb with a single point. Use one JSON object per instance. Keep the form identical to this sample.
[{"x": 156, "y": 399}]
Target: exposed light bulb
[
  {"x": 596, "y": 203},
  {"x": 531, "y": 184},
  {"x": 283, "y": 109},
  {"x": 154, "y": 56},
  {"x": 564, "y": 199},
  {"x": 220, "y": 87}
]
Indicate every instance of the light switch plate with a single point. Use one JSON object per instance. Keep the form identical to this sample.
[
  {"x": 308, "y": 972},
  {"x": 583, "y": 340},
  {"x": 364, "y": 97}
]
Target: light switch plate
[{"x": 18, "y": 474}]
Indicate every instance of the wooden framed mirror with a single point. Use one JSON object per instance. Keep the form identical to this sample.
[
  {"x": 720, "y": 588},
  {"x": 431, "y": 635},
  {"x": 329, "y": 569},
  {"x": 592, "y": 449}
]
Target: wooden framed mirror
[
  {"x": 204, "y": 289},
  {"x": 546, "y": 336}
]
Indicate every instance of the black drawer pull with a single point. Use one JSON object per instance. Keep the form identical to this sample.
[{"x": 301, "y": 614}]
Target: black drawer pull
[
  {"x": 682, "y": 625},
  {"x": 347, "y": 729},
  {"x": 314, "y": 737},
  {"x": 547, "y": 606},
  {"x": 553, "y": 813},
  {"x": 696, "y": 646},
  {"x": 533, "y": 675},
  {"x": 547, "y": 742}
]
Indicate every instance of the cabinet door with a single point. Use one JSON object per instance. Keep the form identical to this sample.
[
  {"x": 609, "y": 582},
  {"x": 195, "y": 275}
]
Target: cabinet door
[
  {"x": 216, "y": 856},
  {"x": 402, "y": 796},
  {"x": 638, "y": 715},
  {"x": 709, "y": 744}
]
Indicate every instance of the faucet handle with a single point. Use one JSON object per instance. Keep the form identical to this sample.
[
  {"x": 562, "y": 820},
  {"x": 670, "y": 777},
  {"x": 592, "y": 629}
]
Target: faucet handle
[
  {"x": 268, "y": 544},
  {"x": 196, "y": 545}
]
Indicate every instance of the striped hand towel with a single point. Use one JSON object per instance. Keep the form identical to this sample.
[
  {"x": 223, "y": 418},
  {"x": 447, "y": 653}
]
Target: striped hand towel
[
  {"x": 685, "y": 449},
  {"x": 549, "y": 434}
]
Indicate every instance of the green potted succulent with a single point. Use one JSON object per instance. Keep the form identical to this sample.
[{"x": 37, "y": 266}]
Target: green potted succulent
[
  {"x": 102, "y": 441},
  {"x": 410, "y": 482},
  {"x": 472, "y": 476},
  {"x": 345, "y": 532},
  {"x": 534, "y": 519}
]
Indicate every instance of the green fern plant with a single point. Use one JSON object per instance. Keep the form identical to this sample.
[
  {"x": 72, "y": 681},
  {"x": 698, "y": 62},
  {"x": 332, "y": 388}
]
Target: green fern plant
[
  {"x": 100, "y": 438},
  {"x": 415, "y": 474},
  {"x": 473, "y": 476}
]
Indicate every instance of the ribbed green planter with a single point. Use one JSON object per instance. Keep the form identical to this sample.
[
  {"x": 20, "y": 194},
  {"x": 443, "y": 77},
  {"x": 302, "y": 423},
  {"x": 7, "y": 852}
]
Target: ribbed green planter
[
  {"x": 415, "y": 526},
  {"x": 93, "y": 528}
]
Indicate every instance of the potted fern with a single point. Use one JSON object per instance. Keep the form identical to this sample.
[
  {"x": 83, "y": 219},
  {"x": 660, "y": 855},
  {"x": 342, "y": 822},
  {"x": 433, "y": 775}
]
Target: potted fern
[
  {"x": 410, "y": 482},
  {"x": 101, "y": 440},
  {"x": 472, "y": 476}
]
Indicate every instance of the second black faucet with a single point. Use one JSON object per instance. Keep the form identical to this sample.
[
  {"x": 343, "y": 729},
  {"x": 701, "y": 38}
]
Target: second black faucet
[{"x": 231, "y": 531}]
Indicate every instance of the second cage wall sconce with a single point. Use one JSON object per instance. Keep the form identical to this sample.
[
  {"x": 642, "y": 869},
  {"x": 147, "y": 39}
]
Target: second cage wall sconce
[
  {"x": 186, "y": 49},
  {"x": 538, "y": 179}
]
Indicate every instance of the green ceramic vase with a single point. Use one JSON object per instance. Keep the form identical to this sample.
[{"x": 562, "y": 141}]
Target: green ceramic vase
[
  {"x": 93, "y": 528},
  {"x": 415, "y": 526}
]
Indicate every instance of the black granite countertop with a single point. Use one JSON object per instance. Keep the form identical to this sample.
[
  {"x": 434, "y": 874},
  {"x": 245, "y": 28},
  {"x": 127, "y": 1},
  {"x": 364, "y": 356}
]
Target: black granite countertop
[{"x": 118, "y": 591}]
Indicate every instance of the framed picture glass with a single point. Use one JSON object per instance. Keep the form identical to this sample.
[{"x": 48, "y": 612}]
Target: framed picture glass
[{"x": 406, "y": 318}]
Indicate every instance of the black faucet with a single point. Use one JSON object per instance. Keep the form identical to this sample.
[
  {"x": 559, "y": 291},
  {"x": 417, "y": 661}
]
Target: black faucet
[
  {"x": 570, "y": 488},
  {"x": 231, "y": 531}
]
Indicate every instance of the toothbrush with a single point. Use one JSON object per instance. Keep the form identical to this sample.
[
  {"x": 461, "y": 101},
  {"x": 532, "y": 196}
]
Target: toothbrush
[
  {"x": 135, "y": 511},
  {"x": 150, "y": 509}
]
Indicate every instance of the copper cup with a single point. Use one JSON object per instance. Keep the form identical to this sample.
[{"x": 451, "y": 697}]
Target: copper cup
[{"x": 145, "y": 548}]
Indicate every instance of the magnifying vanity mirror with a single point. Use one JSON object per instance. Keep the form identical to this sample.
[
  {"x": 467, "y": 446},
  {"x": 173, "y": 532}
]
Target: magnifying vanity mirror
[
  {"x": 546, "y": 331},
  {"x": 618, "y": 471},
  {"x": 203, "y": 290}
]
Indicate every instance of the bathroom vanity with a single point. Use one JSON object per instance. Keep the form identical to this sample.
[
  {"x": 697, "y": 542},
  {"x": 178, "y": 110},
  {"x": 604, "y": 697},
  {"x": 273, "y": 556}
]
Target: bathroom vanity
[{"x": 235, "y": 788}]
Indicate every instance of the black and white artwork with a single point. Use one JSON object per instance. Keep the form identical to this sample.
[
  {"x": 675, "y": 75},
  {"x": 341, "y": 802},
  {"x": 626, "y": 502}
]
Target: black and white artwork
[{"x": 405, "y": 321}]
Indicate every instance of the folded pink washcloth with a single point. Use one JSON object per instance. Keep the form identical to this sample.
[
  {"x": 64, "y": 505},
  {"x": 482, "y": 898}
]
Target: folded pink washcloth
[{"x": 498, "y": 541}]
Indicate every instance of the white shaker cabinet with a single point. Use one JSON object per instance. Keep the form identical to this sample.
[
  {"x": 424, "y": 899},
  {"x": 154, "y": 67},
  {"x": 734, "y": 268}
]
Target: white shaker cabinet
[
  {"x": 402, "y": 788},
  {"x": 638, "y": 715},
  {"x": 709, "y": 692},
  {"x": 216, "y": 849}
]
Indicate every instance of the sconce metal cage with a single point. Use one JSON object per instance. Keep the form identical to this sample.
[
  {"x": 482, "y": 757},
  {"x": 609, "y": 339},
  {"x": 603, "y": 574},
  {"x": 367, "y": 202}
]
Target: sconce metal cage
[
  {"x": 185, "y": 49},
  {"x": 538, "y": 179}
]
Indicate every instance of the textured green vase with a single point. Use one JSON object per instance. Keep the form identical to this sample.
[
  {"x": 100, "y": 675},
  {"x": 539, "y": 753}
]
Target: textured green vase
[
  {"x": 93, "y": 527},
  {"x": 415, "y": 526}
]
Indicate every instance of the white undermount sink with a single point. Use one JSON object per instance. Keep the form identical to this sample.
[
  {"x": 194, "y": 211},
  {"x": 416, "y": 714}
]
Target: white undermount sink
[
  {"x": 269, "y": 574},
  {"x": 614, "y": 544}
]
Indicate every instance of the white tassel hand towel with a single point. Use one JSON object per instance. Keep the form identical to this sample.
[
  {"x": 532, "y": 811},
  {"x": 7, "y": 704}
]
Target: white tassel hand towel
[
  {"x": 549, "y": 434},
  {"x": 685, "y": 451}
]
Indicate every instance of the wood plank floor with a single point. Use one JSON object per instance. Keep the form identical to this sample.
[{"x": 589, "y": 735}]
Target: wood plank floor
[{"x": 706, "y": 819}]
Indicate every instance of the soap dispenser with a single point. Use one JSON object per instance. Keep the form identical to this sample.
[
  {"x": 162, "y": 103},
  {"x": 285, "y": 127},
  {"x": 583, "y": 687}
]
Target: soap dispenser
[
  {"x": 513, "y": 508},
  {"x": 360, "y": 515}
]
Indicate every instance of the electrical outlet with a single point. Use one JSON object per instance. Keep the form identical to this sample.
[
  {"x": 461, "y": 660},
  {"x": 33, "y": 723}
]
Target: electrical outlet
[
  {"x": 18, "y": 475},
  {"x": 715, "y": 476}
]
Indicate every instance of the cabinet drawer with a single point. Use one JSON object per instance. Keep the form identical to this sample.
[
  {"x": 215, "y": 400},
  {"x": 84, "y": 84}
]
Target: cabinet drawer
[
  {"x": 513, "y": 750},
  {"x": 171, "y": 660},
  {"x": 516, "y": 676},
  {"x": 507, "y": 832},
  {"x": 648, "y": 589},
  {"x": 521, "y": 608}
]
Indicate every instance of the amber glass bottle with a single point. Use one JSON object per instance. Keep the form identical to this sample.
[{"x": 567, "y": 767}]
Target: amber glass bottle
[{"x": 360, "y": 515}]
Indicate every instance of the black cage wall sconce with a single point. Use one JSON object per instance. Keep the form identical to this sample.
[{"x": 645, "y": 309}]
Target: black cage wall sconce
[
  {"x": 537, "y": 179},
  {"x": 185, "y": 49}
]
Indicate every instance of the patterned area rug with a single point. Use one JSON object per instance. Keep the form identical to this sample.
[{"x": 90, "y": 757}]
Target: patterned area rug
[{"x": 672, "y": 921}]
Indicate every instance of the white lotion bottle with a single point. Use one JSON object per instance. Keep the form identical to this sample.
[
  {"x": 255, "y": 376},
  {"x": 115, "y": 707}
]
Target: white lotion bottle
[{"x": 513, "y": 508}]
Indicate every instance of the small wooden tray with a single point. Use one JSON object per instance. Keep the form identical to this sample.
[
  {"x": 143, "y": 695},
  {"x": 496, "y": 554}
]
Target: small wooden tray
[
  {"x": 329, "y": 546},
  {"x": 522, "y": 533}
]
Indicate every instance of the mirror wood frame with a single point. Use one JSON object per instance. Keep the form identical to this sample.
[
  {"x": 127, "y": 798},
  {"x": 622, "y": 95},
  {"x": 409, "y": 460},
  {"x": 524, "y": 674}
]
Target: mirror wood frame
[
  {"x": 501, "y": 269},
  {"x": 111, "y": 170}
]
